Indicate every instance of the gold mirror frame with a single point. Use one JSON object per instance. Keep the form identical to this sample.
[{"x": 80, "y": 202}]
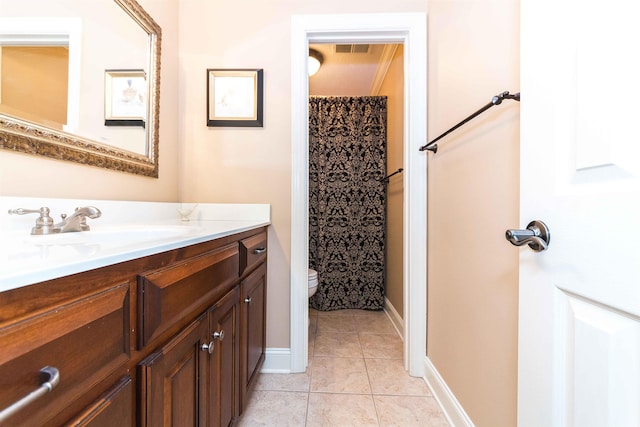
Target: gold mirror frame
[{"x": 25, "y": 137}]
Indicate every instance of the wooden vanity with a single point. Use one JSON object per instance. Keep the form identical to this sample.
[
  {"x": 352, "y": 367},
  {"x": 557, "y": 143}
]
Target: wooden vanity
[{"x": 174, "y": 338}]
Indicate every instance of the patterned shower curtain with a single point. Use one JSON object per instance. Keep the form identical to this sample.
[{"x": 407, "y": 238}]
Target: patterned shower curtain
[{"x": 347, "y": 201}]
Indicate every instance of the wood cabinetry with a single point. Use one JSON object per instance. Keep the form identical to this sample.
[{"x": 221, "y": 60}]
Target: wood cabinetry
[
  {"x": 85, "y": 340},
  {"x": 194, "y": 379},
  {"x": 167, "y": 339},
  {"x": 173, "y": 380},
  {"x": 225, "y": 358},
  {"x": 113, "y": 408},
  {"x": 168, "y": 297},
  {"x": 253, "y": 315},
  {"x": 253, "y": 312}
]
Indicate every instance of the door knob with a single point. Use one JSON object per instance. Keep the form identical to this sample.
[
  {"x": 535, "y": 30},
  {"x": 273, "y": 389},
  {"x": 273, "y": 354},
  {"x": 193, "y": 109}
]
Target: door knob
[
  {"x": 537, "y": 236},
  {"x": 218, "y": 335}
]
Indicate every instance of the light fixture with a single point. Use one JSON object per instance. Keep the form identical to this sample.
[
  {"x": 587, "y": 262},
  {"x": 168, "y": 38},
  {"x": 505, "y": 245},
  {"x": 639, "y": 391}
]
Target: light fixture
[{"x": 315, "y": 61}]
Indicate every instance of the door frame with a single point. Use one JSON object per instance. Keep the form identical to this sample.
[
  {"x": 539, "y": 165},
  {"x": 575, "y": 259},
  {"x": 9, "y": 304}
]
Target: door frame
[{"x": 409, "y": 29}]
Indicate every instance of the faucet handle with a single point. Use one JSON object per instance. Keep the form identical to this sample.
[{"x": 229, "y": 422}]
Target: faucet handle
[
  {"x": 23, "y": 211},
  {"x": 44, "y": 223}
]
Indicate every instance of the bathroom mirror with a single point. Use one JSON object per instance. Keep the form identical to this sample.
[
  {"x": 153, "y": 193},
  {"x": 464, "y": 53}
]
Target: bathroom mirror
[{"x": 106, "y": 56}]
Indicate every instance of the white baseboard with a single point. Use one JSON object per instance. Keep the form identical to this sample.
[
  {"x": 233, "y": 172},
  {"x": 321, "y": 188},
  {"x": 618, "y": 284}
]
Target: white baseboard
[
  {"x": 395, "y": 317},
  {"x": 277, "y": 361},
  {"x": 452, "y": 409}
]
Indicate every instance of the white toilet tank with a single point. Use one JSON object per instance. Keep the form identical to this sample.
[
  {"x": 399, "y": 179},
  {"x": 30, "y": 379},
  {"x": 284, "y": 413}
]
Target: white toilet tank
[{"x": 313, "y": 282}]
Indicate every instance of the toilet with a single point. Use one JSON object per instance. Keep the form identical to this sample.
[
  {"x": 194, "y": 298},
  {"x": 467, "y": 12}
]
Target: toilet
[{"x": 313, "y": 282}]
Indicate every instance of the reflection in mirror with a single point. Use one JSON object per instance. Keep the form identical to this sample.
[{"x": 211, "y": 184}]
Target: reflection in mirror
[
  {"x": 34, "y": 82},
  {"x": 67, "y": 79}
]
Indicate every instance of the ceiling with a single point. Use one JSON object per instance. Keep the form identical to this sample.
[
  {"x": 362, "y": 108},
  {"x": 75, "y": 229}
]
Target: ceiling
[{"x": 353, "y": 73}]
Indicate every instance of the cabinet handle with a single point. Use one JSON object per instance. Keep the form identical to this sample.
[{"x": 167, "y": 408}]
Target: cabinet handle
[
  {"x": 218, "y": 335},
  {"x": 207, "y": 347},
  {"x": 51, "y": 379},
  {"x": 259, "y": 251},
  {"x": 247, "y": 300}
]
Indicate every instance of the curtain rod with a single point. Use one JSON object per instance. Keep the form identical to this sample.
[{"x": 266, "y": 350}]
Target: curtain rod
[{"x": 496, "y": 100}]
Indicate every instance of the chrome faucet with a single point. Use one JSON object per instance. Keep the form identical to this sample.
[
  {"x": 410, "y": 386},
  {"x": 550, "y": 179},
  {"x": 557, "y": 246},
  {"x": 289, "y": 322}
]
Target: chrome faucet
[{"x": 77, "y": 221}]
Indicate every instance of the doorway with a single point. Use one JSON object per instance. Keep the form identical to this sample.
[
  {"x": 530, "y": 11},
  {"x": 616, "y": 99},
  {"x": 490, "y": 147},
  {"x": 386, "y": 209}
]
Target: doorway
[{"x": 410, "y": 30}]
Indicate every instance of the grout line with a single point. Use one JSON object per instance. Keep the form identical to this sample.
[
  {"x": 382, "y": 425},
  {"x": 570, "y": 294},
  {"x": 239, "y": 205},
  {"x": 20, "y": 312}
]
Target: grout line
[
  {"x": 372, "y": 394},
  {"x": 306, "y": 412}
]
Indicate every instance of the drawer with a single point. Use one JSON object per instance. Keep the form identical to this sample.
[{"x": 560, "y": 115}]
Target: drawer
[
  {"x": 113, "y": 408},
  {"x": 171, "y": 297},
  {"x": 85, "y": 341},
  {"x": 253, "y": 251}
]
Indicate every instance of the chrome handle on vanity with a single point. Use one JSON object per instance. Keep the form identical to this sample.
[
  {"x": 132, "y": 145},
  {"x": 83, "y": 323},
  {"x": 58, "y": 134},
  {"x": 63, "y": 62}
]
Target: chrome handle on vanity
[
  {"x": 51, "y": 378},
  {"x": 259, "y": 251},
  {"x": 218, "y": 335},
  {"x": 207, "y": 347},
  {"x": 247, "y": 300},
  {"x": 537, "y": 236}
]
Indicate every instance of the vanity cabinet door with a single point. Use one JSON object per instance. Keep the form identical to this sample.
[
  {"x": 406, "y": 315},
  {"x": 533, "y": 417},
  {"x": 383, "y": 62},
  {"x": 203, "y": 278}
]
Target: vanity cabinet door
[
  {"x": 253, "y": 330},
  {"x": 173, "y": 380},
  {"x": 113, "y": 408},
  {"x": 225, "y": 358}
]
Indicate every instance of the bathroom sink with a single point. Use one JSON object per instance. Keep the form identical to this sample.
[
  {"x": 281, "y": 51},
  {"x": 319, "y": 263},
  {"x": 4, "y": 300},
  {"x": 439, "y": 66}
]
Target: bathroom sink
[
  {"x": 114, "y": 235},
  {"x": 141, "y": 232}
]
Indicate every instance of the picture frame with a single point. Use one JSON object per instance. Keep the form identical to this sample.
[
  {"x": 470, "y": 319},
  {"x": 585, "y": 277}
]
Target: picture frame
[
  {"x": 125, "y": 96},
  {"x": 235, "y": 97}
]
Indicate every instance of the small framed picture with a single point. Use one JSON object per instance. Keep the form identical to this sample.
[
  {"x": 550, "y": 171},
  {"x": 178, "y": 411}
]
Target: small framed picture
[
  {"x": 125, "y": 98},
  {"x": 234, "y": 97}
]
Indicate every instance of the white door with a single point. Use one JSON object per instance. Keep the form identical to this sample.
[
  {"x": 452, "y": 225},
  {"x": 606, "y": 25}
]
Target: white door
[{"x": 579, "y": 324}]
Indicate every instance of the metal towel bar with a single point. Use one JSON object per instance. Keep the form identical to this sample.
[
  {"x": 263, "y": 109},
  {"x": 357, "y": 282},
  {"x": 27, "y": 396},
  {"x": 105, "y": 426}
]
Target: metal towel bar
[
  {"x": 496, "y": 100},
  {"x": 386, "y": 178}
]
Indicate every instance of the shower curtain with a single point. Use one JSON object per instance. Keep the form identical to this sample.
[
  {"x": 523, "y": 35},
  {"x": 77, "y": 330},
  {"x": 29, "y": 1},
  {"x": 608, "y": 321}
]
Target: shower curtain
[{"x": 347, "y": 201}]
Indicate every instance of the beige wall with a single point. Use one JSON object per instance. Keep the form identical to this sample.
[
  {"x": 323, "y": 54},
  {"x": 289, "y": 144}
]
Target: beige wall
[
  {"x": 35, "y": 79},
  {"x": 393, "y": 88},
  {"x": 250, "y": 165},
  {"x": 472, "y": 199},
  {"x": 31, "y": 176}
]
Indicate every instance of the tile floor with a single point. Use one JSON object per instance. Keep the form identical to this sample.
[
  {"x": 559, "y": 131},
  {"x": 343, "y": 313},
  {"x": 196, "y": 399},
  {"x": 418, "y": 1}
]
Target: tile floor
[{"x": 355, "y": 377}]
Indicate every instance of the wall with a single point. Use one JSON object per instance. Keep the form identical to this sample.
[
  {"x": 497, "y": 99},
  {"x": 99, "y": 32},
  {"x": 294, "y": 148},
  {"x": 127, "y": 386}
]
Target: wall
[
  {"x": 393, "y": 88},
  {"x": 31, "y": 176},
  {"x": 250, "y": 165},
  {"x": 472, "y": 199},
  {"x": 35, "y": 79}
]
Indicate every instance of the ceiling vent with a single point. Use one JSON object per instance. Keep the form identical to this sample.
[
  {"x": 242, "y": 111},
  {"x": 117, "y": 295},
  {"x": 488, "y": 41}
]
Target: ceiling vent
[{"x": 352, "y": 48}]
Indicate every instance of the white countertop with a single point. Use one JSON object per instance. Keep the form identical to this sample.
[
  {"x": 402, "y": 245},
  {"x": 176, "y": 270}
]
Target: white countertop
[{"x": 27, "y": 259}]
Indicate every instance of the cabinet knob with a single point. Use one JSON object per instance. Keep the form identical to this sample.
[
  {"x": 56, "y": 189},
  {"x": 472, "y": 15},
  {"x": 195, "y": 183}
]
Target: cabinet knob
[
  {"x": 207, "y": 347},
  {"x": 247, "y": 300},
  {"x": 218, "y": 335}
]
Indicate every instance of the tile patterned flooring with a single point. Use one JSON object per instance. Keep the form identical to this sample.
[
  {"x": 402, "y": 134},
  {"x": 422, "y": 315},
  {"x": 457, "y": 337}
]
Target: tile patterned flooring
[{"x": 355, "y": 378}]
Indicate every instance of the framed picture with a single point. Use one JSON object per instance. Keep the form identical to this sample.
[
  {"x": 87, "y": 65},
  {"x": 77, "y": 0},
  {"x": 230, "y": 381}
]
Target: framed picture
[
  {"x": 234, "y": 97},
  {"x": 125, "y": 98}
]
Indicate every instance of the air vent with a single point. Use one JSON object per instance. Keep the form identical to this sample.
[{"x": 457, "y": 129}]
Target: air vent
[
  {"x": 360, "y": 48},
  {"x": 352, "y": 48}
]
